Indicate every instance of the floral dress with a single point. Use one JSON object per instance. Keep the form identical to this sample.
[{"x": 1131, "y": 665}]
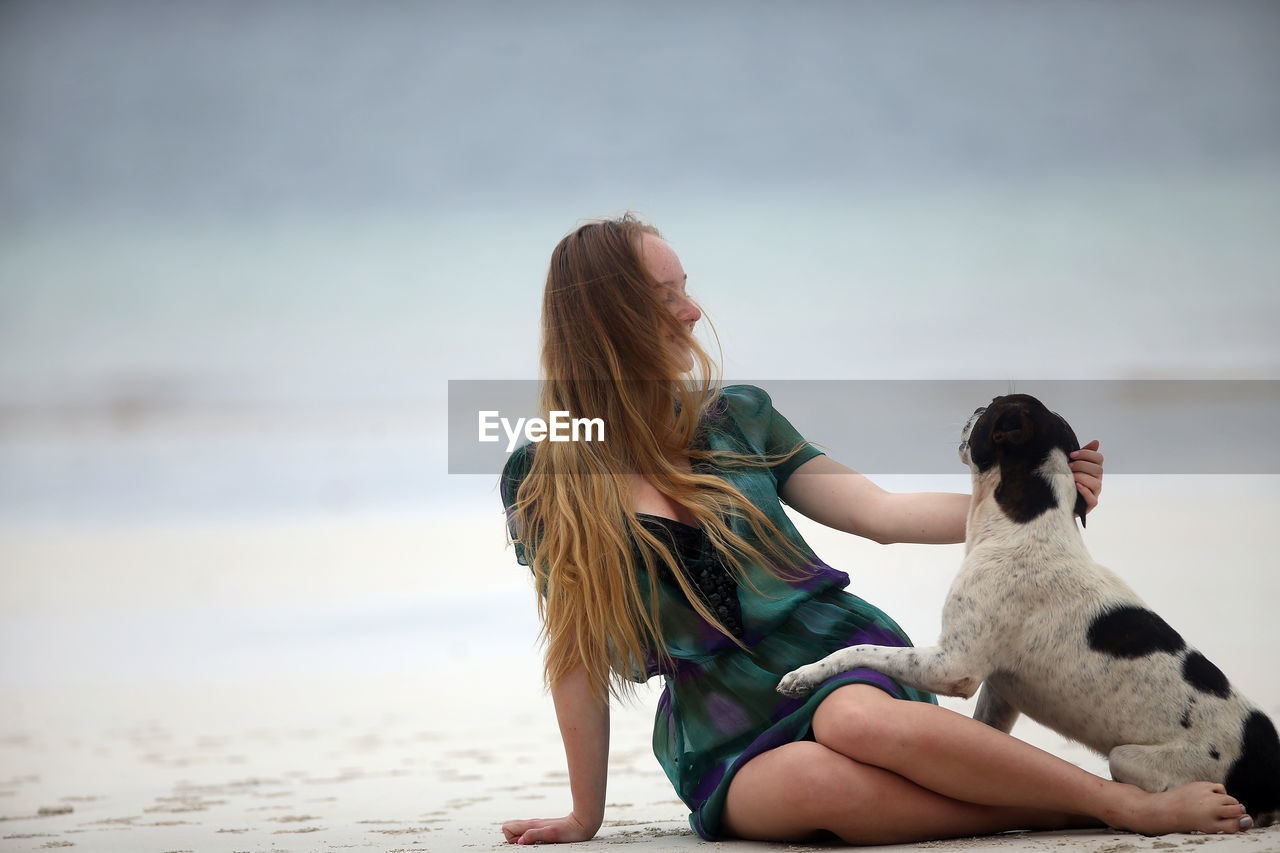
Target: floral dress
[{"x": 720, "y": 709}]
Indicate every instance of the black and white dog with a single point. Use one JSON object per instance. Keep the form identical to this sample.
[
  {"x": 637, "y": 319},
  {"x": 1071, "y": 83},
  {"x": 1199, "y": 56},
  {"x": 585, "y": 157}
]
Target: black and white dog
[{"x": 1050, "y": 633}]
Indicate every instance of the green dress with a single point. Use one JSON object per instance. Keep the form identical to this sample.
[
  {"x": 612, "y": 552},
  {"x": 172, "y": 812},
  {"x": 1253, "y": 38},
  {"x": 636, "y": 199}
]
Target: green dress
[{"x": 720, "y": 709}]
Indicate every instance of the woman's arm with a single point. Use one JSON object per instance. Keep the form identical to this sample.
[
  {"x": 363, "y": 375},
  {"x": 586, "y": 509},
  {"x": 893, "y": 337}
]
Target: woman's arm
[
  {"x": 584, "y": 728},
  {"x": 840, "y": 497}
]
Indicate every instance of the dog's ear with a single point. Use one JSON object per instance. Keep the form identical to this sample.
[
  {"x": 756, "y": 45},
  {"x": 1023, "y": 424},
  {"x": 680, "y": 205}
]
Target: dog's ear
[
  {"x": 1013, "y": 426},
  {"x": 1072, "y": 445}
]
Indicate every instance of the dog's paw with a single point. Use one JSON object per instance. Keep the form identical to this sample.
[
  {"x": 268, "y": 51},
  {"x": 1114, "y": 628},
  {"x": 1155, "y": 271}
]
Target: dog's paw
[{"x": 799, "y": 682}]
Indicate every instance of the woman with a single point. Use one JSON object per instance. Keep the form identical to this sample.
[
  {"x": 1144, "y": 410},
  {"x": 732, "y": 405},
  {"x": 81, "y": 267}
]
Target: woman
[{"x": 665, "y": 551}]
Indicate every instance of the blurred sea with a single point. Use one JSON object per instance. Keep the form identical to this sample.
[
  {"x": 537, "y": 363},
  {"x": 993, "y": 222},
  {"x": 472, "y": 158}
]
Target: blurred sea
[{"x": 243, "y": 246}]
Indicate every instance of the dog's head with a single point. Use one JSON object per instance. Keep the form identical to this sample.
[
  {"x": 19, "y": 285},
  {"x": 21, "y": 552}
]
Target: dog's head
[{"x": 1021, "y": 436}]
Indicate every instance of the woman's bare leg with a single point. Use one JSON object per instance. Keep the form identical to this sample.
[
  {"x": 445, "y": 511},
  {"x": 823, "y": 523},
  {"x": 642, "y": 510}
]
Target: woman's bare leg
[
  {"x": 960, "y": 758},
  {"x": 801, "y": 789}
]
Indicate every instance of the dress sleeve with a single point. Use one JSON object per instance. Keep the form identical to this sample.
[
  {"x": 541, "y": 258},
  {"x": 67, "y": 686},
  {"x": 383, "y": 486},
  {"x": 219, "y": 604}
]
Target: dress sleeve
[
  {"x": 769, "y": 431},
  {"x": 513, "y": 474},
  {"x": 783, "y": 438}
]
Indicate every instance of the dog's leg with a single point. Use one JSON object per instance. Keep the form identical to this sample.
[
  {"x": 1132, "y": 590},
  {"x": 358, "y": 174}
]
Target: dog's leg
[
  {"x": 936, "y": 670},
  {"x": 1155, "y": 768},
  {"x": 995, "y": 710}
]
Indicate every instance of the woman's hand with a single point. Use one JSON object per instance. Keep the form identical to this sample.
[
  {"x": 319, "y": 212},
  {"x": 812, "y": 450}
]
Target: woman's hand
[
  {"x": 584, "y": 728},
  {"x": 549, "y": 831},
  {"x": 1086, "y": 464}
]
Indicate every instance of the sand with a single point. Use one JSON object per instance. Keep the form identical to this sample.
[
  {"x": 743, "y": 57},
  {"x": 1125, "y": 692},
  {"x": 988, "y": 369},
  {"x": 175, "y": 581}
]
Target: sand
[
  {"x": 365, "y": 765},
  {"x": 298, "y": 686}
]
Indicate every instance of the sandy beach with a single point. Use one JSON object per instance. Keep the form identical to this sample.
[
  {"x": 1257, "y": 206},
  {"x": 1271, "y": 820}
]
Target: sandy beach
[
  {"x": 308, "y": 767},
  {"x": 308, "y": 685}
]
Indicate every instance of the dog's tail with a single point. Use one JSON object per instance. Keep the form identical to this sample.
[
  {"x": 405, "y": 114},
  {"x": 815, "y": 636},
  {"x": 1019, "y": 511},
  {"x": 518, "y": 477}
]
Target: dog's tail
[{"x": 1255, "y": 777}]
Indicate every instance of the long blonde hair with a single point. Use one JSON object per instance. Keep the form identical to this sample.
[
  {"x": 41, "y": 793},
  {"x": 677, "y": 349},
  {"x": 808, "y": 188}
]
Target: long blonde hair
[{"x": 604, "y": 325}]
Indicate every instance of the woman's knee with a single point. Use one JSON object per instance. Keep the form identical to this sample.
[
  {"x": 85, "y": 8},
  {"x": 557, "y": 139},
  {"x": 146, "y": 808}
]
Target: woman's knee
[
  {"x": 796, "y": 790},
  {"x": 804, "y": 770},
  {"x": 857, "y": 717}
]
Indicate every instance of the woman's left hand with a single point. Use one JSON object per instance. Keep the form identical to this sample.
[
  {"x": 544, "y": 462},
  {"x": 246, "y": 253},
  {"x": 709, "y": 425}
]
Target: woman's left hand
[{"x": 1086, "y": 464}]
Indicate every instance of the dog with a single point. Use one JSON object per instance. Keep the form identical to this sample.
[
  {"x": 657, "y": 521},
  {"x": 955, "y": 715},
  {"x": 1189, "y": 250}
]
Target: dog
[{"x": 1049, "y": 633}]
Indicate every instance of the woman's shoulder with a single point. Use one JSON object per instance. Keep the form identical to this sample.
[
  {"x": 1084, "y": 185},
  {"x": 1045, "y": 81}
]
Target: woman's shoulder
[
  {"x": 746, "y": 400},
  {"x": 515, "y": 470},
  {"x": 745, "y": 411}
]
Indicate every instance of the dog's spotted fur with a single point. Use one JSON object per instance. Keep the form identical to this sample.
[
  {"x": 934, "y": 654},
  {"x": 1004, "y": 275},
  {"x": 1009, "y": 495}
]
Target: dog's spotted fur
[{"x": 1050, "y": 633}]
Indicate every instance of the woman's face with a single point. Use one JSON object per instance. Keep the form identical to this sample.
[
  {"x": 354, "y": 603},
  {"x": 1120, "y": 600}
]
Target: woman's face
[{"x": 664, "y": 267}]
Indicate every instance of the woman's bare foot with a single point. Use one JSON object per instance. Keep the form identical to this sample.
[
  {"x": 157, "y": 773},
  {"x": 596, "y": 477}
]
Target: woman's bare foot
[{"x": 1197, "y": 807}]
